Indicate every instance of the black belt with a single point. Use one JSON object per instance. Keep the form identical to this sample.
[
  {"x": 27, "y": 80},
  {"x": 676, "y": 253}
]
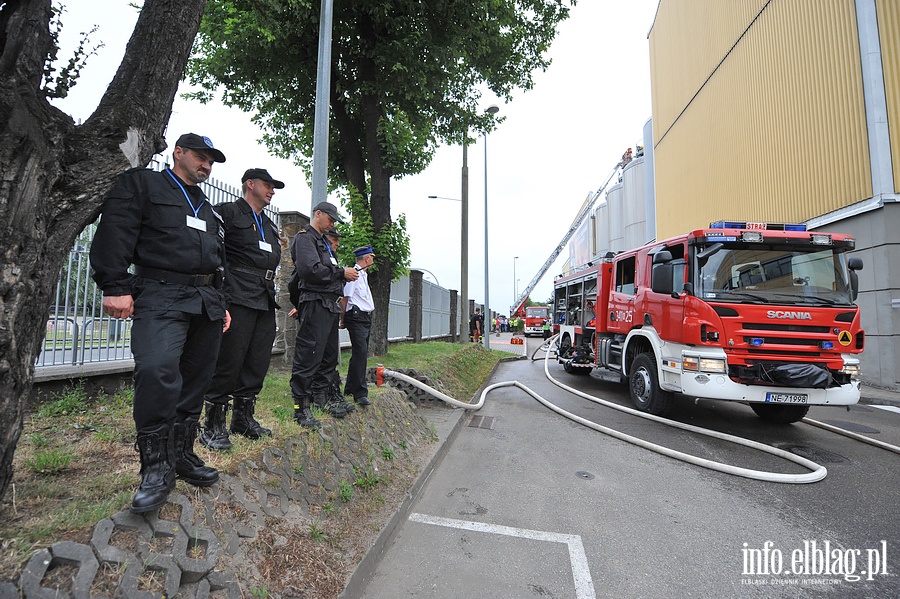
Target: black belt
[
  {"x": 170, "y": 276},
  {"x": 268, "y": 275},
  {"x": 357, "y": 310}
]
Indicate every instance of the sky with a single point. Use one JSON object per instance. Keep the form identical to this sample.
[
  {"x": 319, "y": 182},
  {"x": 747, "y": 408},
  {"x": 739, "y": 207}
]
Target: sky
[{"x": 556, "y": 146}]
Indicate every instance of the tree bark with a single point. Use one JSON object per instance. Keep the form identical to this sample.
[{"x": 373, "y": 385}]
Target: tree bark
[{"x": 54, "y": 175}]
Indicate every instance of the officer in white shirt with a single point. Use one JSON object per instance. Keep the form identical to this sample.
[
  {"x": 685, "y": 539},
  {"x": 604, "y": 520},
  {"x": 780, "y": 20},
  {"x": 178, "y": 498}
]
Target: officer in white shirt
[{"x": 356, "y": 317}]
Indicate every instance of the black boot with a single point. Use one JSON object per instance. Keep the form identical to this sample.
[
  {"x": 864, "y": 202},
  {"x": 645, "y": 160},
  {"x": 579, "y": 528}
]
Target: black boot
[
  {"x": 243, "y": 422},
  {"x": 188, "y": 464},
  {"x": 303, "y": 416},
  {"x": 323, "y": 402},
  {"x": 155, "y": 446},
  {"x": 337, "y": 398},
  {"x": 214, "y": 434}
]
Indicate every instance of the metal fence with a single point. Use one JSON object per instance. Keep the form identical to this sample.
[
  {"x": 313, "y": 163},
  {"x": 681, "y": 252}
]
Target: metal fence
[
  {"x": 80, "y": 338},
  {"x": 78, "y": 332}
]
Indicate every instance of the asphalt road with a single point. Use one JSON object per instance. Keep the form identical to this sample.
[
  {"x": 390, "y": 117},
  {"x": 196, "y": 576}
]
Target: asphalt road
[{"x": 540, "y": 506}]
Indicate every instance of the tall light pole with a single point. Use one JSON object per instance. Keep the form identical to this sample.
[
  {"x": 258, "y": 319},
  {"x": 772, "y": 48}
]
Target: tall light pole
[
  {"x": 487, "y": 302},
  {"x": 464, "y": 247},
  {"x": 515, "y": 289},
  {"x": 320, "y": 131}
]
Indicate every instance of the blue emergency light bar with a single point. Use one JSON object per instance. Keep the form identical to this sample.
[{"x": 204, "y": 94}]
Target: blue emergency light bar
[{"x": 732, "y": 224}]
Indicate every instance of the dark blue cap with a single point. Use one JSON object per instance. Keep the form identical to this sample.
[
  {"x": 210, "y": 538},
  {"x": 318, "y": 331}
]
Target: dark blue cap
[{"x": 362, "y": 251}]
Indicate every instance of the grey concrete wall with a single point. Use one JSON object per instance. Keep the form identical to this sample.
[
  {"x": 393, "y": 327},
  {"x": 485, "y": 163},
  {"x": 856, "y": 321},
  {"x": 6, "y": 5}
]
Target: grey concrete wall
[{"x": 878, "y": 245}]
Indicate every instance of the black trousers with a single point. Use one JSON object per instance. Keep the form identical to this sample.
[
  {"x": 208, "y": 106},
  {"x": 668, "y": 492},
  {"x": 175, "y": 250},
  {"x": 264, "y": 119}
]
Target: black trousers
[
  {"x": 358, "y": 325},
  {"x": 316, "y": 350},
  {"x": 174, "y": 360},
  {"x": 244, "y": 355}
]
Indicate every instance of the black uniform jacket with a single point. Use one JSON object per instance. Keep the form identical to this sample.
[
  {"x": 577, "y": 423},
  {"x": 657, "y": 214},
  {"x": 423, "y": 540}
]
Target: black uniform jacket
[
  {"x": 317, "y": 275},
  {"x": 242, "y": 248},
  {"x": 144, "y": 222}
]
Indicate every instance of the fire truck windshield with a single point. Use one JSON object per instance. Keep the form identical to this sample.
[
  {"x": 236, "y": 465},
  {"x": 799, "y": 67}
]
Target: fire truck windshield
[
  {"x": 770, "y": 274},
  {"x": 537, "y": 312}
]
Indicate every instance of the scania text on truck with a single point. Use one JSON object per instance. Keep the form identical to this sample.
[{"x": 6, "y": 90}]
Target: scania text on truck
[{"x": 749, "y": 312}]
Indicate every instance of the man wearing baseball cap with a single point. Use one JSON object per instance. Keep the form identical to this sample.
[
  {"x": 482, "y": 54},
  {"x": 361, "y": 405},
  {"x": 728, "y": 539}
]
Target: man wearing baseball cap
[
  {"x": 253, "y": 249},
  {"x": 163, "y": 224},
  {"x": 356, "y": 317},
  {"x": 316, "y": 290}
]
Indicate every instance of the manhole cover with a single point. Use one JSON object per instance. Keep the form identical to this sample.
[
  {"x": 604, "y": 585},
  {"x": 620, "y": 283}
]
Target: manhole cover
[
  {"x": 482, "y": 422},
  {"x": 584, "y": 475},
  {"x": 820, "y": 456},
  {"x": 852, "y": 426}
]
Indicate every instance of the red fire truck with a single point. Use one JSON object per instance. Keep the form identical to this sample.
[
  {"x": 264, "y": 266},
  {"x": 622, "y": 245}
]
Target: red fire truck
[
  {"x": 533, "y": 317},
  {"x": 750, "y": 312}
]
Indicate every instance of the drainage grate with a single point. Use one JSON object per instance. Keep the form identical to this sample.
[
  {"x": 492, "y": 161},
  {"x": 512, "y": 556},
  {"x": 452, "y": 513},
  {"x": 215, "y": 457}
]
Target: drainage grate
[
  {"x": 852, "y": 426},
  {"x": 482, "y": 422},
  {"x": 813, "y": 453}
]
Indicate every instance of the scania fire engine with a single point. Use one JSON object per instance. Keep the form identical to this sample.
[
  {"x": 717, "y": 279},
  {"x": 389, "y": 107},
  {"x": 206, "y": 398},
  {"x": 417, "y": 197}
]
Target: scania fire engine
[{"x": 749, "y": 312}]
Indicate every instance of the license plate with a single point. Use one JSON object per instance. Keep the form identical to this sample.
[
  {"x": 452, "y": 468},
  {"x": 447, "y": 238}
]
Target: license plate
[{"x": 786, "y": 397}]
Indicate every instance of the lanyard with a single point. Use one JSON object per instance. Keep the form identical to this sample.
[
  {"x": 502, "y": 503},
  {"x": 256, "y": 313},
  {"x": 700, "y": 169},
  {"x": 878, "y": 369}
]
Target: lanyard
[
  {"x": 186, "y": 196},
  {"x": 259, "y": 224}
]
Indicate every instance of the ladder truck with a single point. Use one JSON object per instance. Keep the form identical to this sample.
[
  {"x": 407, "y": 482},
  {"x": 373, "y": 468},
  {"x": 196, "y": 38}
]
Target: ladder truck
[{"x": 749, "y": 312}]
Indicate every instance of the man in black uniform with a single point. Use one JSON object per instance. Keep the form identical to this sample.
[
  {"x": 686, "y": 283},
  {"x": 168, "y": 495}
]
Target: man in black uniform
[
  {"x": 316, "y": 289},
  {"x": 162, "y": 223},
  {"x": 253, "y": 249}
]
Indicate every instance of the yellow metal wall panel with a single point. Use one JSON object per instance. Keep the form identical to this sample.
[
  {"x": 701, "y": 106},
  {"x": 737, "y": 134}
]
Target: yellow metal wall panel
[
  {"x": 889, "y": 36},
  {"x": 778, "y": 132},
  {"x": 687, "y": 40}
]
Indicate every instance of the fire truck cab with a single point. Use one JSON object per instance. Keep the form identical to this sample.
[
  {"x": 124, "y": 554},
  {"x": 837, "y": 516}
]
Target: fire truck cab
[{"x": 750, "y": 312}]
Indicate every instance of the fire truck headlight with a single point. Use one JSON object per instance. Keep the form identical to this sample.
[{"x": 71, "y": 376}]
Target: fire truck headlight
[
  {"x": 826, "y": 344},
  {"x": 712, "y": 365},
  {"x": 697, "y": 364},
  {"x": 819, "y": 239},
  {"x": 751, "y": 236},
  {"x": 852, "y": 370}
]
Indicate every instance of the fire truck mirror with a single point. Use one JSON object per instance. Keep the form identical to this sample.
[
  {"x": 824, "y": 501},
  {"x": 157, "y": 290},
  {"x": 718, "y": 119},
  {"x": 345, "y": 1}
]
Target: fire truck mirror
[{"x": 663, "y": 278}]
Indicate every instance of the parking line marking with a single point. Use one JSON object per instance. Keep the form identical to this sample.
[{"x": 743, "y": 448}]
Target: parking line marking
[
  {"x": 889, "y": 408},
  {"x": 584, "y": 586}
]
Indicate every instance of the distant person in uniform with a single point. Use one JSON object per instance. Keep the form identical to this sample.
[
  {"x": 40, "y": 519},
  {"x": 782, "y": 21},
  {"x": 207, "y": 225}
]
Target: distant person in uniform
[
  {"x": 317, "y": 286},
  {"x": 356, "y": 317},
  {"x": 163, "y": 224},
  {"x": 475, "y": 325},
  {"x": 253, "y": 249}
]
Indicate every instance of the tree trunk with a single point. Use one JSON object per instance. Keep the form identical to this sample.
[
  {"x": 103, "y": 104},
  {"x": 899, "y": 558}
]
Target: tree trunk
[{"x": 54, "y": 174}]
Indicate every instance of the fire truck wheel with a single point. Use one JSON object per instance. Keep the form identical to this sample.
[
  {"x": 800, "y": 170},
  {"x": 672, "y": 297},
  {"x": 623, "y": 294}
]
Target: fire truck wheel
[
  {"x": 780, "y": 414},
  {"x": 643, "y": 384}
]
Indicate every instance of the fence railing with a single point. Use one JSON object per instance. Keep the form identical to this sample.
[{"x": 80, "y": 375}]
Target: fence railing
[{"x": 81, "y": 338}]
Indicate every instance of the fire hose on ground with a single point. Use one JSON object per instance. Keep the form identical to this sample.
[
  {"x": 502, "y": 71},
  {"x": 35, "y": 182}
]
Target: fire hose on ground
[{"x": 817, "y": 471}]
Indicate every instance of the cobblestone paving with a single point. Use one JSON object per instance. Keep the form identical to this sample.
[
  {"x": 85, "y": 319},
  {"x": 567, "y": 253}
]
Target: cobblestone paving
[{"x": 192, "y": 548}]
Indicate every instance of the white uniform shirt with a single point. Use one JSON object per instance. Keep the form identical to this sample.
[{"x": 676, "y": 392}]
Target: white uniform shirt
[{"x": 359, "y": 293}]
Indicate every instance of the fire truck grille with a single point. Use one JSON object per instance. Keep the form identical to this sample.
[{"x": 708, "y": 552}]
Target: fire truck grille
[
  {"x": 794, "y": 328},
  {"x": 785, "y": 341},
  {"x": 781, "y": 352}
]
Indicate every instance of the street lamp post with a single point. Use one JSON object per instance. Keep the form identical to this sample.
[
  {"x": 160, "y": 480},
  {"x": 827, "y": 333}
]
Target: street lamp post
[
  {"x": 487, "y": 303},
  {"x": 515, "y": 289}
]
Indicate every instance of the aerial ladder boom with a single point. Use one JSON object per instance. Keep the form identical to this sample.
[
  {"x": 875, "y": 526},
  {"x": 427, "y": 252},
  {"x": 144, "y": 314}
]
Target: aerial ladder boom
[{"x": 585, "y": 210}]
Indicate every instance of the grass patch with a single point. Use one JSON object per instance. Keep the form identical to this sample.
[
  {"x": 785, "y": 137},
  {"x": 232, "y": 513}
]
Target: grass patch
[{"x": 75, "y": 464}]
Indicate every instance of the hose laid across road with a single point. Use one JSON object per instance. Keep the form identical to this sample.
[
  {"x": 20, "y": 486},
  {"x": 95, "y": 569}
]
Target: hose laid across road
[{"x": 817, "y": 471}]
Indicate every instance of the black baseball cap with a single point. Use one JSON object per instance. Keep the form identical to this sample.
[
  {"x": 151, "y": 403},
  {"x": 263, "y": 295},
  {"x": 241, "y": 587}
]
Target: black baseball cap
[
  {"x": 332, "y": 232},
  {"x": 329, "y": 209},
  {"x": 192, "y": 141},
  {"x": 263, "y": 174}
]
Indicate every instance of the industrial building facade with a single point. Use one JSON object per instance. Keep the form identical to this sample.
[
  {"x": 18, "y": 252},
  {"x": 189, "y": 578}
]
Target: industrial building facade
[{"x": 785, "y": 111}]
